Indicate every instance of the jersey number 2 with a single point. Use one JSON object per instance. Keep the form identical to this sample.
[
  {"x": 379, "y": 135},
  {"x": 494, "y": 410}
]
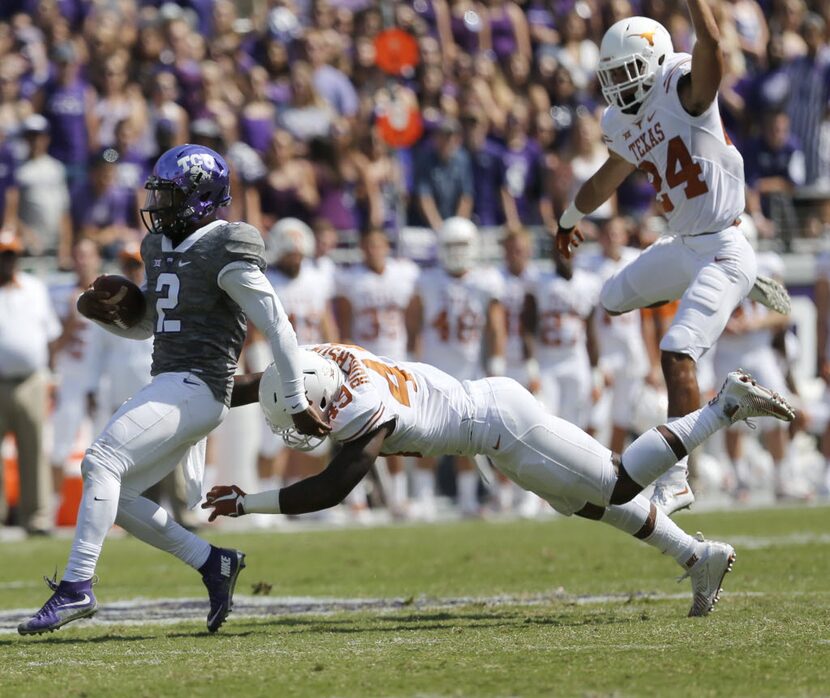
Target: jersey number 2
[
  {"x": 170, "y": 283},
  {"x": 680, "y": 169}
]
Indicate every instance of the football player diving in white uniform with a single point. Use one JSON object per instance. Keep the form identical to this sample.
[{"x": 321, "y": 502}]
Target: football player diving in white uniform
[
  {"x": 663, "y": 118},
  {"x": 204, "y": 275},
  {"x": 376, "y": 406}
]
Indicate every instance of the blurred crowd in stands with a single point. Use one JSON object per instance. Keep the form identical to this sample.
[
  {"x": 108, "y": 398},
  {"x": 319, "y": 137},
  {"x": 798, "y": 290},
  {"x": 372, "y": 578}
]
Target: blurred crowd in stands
[
  {"x": 289, "y": 91},
  {"x": 92, "y": 90}
]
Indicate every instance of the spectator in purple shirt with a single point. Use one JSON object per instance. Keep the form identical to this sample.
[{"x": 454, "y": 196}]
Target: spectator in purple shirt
[
  {"x": 105, "y": 212},
  {"x": 68, "y": 102},
  {"x": 329, "y": 82},
  {"x": 521, "y": 166},
  {"x": 486, "y": 160},
  {"x": 774, "y": 166}
]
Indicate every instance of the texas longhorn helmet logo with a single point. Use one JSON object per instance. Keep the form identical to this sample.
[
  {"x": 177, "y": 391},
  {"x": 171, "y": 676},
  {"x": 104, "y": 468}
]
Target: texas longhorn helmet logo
[{"x": 648, "y": 36}]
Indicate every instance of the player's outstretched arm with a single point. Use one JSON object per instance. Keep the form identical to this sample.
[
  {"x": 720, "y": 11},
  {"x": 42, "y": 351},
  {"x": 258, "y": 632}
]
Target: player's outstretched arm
[
  {"x": 697, "y": 94},
  {"x": 596, "y": 190},
  {"x": 347, "y": 468},
  {"x": 247, "y": 286}
]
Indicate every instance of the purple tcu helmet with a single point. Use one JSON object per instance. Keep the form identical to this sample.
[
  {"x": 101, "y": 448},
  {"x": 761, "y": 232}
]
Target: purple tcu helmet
[{"x": 188, "y": 183}]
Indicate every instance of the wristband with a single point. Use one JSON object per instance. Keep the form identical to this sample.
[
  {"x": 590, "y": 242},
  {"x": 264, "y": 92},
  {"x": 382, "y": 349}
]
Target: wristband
[
  {"x": 532, "y": 369},
  {"x": 262, "y": 502},
  {"x": 496, "y": 365},
  {"x": 570, "y": 217}
]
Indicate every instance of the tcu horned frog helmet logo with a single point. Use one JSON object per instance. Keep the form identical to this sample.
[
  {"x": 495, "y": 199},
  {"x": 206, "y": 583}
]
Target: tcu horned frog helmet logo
[
  {"x": 188, "y": 183},
  {"x": 631, "y": 53}
]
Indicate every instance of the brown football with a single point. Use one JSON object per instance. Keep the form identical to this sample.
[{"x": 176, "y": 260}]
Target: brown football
[{"x": 127, "y": 298}]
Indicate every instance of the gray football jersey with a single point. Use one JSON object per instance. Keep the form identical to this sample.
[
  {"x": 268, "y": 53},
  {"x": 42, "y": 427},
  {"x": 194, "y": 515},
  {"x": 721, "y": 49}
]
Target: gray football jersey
[{"x": 198, "y": 327}]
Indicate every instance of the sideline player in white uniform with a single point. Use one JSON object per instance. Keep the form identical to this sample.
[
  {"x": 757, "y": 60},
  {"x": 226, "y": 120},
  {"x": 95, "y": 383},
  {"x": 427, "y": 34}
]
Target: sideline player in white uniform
[
  {"x": 747, "y": 341},
  {"x": 663, "y": 118},
  {"x": 557, "y": 322},
  {"x": 623, "y": 357},
  {"x": 456, "y": 321},
  {"x": 303, "y": 290},
  {"x": 370, "y": 305},
  {"x": 518, "y": 274},
  {"x": 822, "y": 295},
  {"x": 377, "y": 406},
  {"x": 74, "y": 362},
  {"x": 204, "y": 275}
]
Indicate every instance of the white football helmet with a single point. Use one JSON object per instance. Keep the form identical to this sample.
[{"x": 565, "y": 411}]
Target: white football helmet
[
  {"x": 632, "y": 50},
  {"x": 323, "y": 380},
  {"x": 458, "y": 245},
  {"x": 286, "y": 236}
]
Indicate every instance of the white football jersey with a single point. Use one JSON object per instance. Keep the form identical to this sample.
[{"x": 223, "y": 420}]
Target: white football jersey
[
  {"x": 431, "y": 409},
  {"x": 620, "y": 337},
  {"x": 379, "y": 303},
  {"x": 303, "y": 300},
  {"x": 455, "y": 315},
  {"x": 562, "y": 307},
  {"x": 515, "y": 288},
  {"x": 697, "y": 172},
  {"x": 75, "y": 362}
]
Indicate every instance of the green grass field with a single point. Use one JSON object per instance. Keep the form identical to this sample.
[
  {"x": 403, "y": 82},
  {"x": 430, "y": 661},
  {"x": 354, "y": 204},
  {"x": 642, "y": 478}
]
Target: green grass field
[{"x": 484, "y": 609}]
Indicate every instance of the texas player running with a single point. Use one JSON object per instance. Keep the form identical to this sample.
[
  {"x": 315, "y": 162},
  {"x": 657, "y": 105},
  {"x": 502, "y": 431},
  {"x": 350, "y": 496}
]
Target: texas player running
[
  {"x": 456, "y": 321},
  {"x": 377, "y": 406},
  {"x": 204, "y": 275},
  {"x": 663, "y": 118},
  {"x": 371, "y": 301}
]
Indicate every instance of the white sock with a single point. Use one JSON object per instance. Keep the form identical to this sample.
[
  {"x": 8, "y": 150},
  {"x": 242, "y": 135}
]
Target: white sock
[
  {"x": 670, "y": 539},
  {"x": 152, "y": 524},
  {"x": 468, "y": 491},
  {"x": 648, "y": 457},
  {"x": 667, "y": 537},
  {"x": 96, "y": 515},
  {"x": 424, "y": 484},
  {"x": 694, "y": 428}
]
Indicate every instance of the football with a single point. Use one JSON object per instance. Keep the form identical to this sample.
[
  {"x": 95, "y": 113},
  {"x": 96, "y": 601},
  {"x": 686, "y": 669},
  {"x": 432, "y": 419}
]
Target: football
[{"x": 125, "y": 296}]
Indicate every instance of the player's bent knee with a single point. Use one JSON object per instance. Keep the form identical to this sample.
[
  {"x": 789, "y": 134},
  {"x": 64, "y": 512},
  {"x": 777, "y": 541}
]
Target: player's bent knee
[
  {"x": 95, "y": 463},
  {"x": 591, "y": 511}
]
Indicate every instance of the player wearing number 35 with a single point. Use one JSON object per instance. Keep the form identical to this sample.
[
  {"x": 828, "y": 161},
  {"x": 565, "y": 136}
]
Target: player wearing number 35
[
  {"x": 663, "y": 119},
  {"x": 204, "y": 276}
]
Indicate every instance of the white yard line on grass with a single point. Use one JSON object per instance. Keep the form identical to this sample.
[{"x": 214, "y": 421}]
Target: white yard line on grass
[{"x": 169, "y": 611}]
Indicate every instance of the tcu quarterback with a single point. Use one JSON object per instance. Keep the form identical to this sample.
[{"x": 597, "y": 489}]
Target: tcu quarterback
[
  {"x": 204, "y": 276},
  {"x": 377, "y": 406},
  {"x": 663, "y": 118}
]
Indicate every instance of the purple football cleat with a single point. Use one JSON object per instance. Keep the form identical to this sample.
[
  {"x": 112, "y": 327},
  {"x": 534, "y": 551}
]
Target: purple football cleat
[
  {"x": 219, "y": 575},
  {"x": 69, "y": 601}
]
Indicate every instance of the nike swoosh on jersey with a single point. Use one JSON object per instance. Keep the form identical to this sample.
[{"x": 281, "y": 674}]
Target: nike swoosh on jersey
[
  {"x": 82, "y": 602},
  {"x": 182, "y": 263},
  {"x": 189, "y": 382}
]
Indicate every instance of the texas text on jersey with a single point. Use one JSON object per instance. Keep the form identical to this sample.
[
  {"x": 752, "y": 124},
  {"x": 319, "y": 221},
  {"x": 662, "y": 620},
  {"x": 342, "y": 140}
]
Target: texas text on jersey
[{"x": 696, "y": 171}]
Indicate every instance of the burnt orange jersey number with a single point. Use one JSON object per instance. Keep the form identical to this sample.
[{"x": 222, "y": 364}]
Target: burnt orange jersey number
[
  {"x": 396, "y": 379},
  {"x": 680, "y": 169}
]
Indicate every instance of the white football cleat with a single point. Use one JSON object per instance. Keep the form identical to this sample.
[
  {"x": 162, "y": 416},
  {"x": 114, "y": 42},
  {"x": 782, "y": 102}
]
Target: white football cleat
[
  {"x": 672, "y": 497},
  {"x": 707, "y": 568},
  {"x": 741, "y": 398},
  {"x": 772, "y": 294}
]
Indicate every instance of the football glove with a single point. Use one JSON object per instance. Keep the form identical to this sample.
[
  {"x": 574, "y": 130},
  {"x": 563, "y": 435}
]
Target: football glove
[{"x": 225, "y": 500}]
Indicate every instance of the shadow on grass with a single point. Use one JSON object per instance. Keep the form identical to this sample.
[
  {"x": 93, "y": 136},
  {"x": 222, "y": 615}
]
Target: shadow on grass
[{"x": 76, "y": 640}]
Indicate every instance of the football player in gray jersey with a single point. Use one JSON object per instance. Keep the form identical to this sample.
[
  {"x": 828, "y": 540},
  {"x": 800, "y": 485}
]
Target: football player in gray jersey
[{"x": 204, "y": 276}]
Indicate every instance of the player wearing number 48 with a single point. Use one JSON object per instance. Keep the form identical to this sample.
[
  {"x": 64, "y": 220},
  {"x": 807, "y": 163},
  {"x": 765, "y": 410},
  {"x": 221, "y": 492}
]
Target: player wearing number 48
[
  {"x": 663, "y": 119},
  {"x": 204, "y": 276}
]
